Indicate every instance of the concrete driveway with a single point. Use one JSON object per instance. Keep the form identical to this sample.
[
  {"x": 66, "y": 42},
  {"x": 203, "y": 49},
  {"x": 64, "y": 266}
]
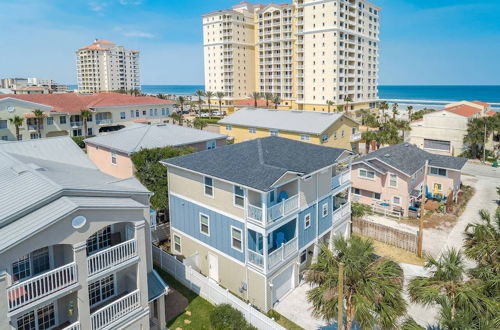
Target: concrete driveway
[{"x": 297, "y": 309}]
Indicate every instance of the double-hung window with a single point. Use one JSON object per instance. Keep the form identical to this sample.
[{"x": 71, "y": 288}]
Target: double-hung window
[
  {"x": 204, "y": 224},
  {"x": 122, "y": 114},
  {"x": 324, "y": 138},
  {"x": 366, "y": 174},
  {"x": 324, "y": 209},
  {"x": 113, "y": 157},
  {"x": 393, "y": 180},
  {"x": 239, "y": 196},
  {"x": 307, "y": 221},
  {"x": 273, "y": 132},
  {"x": 437, "y": 171},
  {"x": 62, "y": 120},
  {"x": 177, "y": 243},
  {"x": 396, "y": 200},
  {"x": 252, "y": 130},
  {"x": 209, "y": 187},
  {"x": 229, "y": 127},
  {"x": 236, "y": 239},
  {"x": 212, "y": 144},
  {"x": 304, "y": 137},
  {"x": 356, "y": 191},
  {"x": 50, "y": 120}
]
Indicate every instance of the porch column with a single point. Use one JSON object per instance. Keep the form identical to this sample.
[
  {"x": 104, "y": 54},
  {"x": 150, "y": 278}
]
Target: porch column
[
  {"x": 162, "y": 312},
  {"x": 83, "y": 303},
  {"x": 264, "y": 248},
  {"x": 4, "y": 321},
  {"x": 263, "y": 199},
  {"x": 142, "y": 269},
  {"x": 330, "y": 240},
  {"x": 315, "y": 252}
]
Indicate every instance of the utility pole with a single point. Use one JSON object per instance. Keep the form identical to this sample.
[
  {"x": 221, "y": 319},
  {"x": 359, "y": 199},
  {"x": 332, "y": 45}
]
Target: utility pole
[
  {"x": 340, "y": 304},
  {"x": 484, "y": 142},
  {"x": 422, "y": 211}
]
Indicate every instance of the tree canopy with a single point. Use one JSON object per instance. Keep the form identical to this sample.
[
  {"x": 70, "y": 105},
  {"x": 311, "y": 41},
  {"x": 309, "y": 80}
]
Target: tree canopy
[{"x": 153, "y": 175}]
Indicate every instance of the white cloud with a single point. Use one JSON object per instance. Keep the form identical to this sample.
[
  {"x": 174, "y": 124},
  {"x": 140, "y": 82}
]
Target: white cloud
[
  {"x": 130, "y": 2},
  {"x": 138, "y": 34},
  {"x": 97, "y": 6}
]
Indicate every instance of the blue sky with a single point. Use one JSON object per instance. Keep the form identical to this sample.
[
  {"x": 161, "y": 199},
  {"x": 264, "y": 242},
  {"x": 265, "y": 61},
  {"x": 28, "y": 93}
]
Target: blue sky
[{"x": 422, "y": 41}]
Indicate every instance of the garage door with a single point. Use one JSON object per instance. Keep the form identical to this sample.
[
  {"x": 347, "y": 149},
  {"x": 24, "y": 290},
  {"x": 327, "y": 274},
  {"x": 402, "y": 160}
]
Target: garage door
[
  {"x": 437, "y": 144},
  {"x": 282, "y": 283}
]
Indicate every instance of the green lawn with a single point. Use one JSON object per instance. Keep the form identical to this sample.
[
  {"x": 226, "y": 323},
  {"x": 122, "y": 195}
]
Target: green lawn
[
  {"x": 199, "y": 307},
  {"x": 284, "y": 322}
]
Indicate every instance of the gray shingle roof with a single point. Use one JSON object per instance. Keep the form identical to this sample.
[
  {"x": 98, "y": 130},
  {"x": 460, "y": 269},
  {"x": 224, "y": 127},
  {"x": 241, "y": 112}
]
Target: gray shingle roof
[
  {"x": 142, "y": 136},
  {"x": 408, "y": 158},
  {"x": 259, "y": 163},
  {"x": 37, "y": 172},
  {"x": 294, "y": 121}
]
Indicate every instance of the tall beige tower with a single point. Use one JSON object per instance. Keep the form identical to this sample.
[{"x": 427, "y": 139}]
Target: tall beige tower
[
  {"x": 308, "y": 52},
  {"x": 104, "y": 66}
]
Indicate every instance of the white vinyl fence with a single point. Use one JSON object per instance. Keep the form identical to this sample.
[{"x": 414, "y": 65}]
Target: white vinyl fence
[{"x": 210, "y": 290}]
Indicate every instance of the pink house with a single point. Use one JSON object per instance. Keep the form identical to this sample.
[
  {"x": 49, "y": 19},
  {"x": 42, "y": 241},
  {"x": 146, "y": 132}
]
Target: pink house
[{"x": 395, "y": 177}]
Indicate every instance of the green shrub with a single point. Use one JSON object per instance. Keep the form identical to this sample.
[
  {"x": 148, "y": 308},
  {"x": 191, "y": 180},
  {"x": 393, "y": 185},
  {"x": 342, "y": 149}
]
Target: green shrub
[
  {"x": 274, "y": 314},
  {"x": 359, "y": 210},
  {"x": 225, "y": 317},
  {"x": 79, "y": 140}
]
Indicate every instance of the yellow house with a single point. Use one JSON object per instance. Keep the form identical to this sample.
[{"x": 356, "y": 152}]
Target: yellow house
[{"x": 328, "y": 129}]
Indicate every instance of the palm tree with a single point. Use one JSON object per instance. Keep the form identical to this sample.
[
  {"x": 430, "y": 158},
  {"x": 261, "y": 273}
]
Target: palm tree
[
  {"x": 340, "y": 108},
  {"x": 403, "y": 126},
  {"x": 364, "y": 113},
  {"x": 176, "y": 117},
  {"x": 368, "y": 136},
  {"x": 462, "y": 305},
  {"x": 383, "y": 106},
  {"x": 85, "y": 114},
  {"x": 39, "y": 114},
  {"x": 199, "y": 123},
  {"x": 372, "y": 286},
  {"x": 347, "y": 99},
  {"x": 276, "y": 101},
  {"x": 255, "y": 96},
  {"x": 200, "y": 94},
  {"x": 17, "y": 122},
  {"x": 209, "y": 95},
  {"x": 410, "y": 112},
  {"x": 329, "y": 104},
  {"x": 395, "y": 111},
  {"x": 268, "y": 97},
  {"x": 220, "y": 96},
  {"x": 481, "y": 244}
]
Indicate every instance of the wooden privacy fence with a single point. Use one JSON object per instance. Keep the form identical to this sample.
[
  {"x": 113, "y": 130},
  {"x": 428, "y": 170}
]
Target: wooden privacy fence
[
  {"x": 210, "y": 290},
  {"x": 388, "y": 235}
]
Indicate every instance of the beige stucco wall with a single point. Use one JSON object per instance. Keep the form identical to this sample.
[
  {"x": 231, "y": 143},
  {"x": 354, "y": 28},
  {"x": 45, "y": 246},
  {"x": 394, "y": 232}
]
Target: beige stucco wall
[{"x": 101, "y": 157}]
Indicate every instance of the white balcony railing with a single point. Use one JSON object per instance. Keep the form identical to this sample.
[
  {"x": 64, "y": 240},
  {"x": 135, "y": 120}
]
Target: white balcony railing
[
  {"x": 103, "y": 121},
  {"x": 356, "y": 136},
  {"x": 256, "y": 258},
  {"x": 34, "y": 127},
  {"x": 73, "y": 326},
  {"x": 341, "y": 179},
  {"x": 115, "y": 310},
  {"x": 282, "y": 253},
  {"x": 42, "y": 285},
  {"x": 341, "y": 212},
  {"x": 254, "y": 213},
  {"x": 112, "y": 256},
  {"x": 76, "y": 124},
  {"x": 283, "y": 208}
]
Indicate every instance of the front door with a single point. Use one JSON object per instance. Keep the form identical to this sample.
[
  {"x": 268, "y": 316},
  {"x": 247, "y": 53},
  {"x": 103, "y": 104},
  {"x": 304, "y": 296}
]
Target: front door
[{"x": 213, "y": 267}]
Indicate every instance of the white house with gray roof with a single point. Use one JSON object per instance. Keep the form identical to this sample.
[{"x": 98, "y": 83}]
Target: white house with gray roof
[
  {"x": 75, "y": 251},
  {"x": 111, "y": 152},
  {"x": 396, "y": 177},
  {"x": 323, "y": 128},
  {"x": 251, "y": 215}
]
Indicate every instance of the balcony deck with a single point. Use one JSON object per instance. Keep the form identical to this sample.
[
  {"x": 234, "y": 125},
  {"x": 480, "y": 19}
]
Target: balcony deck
[
  {"x": 114, "y": 311},
  {"x": 111, "y": 257}
]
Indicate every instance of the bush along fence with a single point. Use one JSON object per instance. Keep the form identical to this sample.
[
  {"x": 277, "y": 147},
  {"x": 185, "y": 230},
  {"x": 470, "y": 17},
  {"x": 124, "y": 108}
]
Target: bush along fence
[
  {"x": 392, "y": 236},
  {"x": 210, "y": 290}
]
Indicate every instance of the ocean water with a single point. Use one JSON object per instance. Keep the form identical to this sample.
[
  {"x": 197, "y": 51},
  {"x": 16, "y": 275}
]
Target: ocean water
[{"x": 434, "y": 96}]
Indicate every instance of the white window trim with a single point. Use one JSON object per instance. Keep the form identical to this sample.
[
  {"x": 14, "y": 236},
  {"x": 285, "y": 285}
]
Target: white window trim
[
  {"x": 234, "y": 197},
  {"x": 205, "y": 185},
  {"x": 180, "y": 243},
  {"x": 437, "y": 174},
  {"x": 114, "y": 289},
  {"x": 377, "y": 199},
  {"x": 252, "y": 130},
  {"x": 389, "y": 177},
  {"x": 208, "y": 223},
  {"x": 324, "y": 208},
  {"x": 241, "y": 232},
  {"x": 308, "y": 215},
  {"x": 364, "y": 177},
  {"x": 437, "y": 183},
  {"x": 354, "y": 193},
  {"x": 400, "y": 200}
]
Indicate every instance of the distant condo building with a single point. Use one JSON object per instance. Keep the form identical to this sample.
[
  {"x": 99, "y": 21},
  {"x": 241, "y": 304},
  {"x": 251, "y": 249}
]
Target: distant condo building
[
  {"x": 104, "y": 66},
  {"x": 307, "y": 52}
]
